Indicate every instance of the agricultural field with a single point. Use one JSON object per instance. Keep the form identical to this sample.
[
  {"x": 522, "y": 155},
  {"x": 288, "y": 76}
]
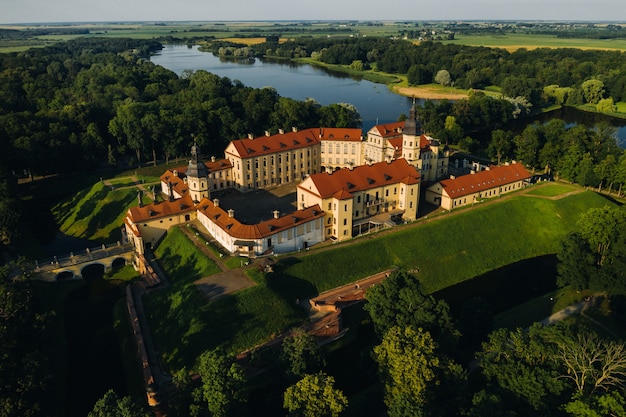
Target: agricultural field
[
  {"x": 514, "y": 41},
  {"x": 251, "y": 33}
]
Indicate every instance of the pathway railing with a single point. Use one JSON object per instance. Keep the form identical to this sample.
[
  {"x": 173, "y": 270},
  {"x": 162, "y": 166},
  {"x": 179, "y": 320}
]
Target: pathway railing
[{"x": 88, "y": 255}]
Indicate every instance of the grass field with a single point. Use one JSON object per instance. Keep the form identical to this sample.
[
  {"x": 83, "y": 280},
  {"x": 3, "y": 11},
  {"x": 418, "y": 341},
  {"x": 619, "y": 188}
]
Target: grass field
[
  {"x": 514, "y": 41},
  {"x": 552, "y": 190}
]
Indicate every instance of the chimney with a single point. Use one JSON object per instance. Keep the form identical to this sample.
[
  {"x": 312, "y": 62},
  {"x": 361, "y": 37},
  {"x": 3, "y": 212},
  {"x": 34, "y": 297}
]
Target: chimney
[
  {"x": 216, "y": 202},
  {"x": 281, "y": 131},
  {"x": 175, "y": 173},
  {"x": 452, "y": 177},
  {"x": 472, "y": 172},
  {"x": 212, "y": 159},
  {"x": 267, "y": 133},
  {"x": 231, "y": 213},
  {"x": 294, "y": 129},
  {"x": 250, "y": 136},
  {"x": 276, "y": 214}
]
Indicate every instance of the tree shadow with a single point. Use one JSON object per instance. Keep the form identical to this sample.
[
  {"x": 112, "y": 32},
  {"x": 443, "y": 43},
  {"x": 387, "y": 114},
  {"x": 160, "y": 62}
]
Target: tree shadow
[
  {"x": 611, "y": 199},
  {"x": 89, "y": 205},
  {"x": 107, "y": 215}
]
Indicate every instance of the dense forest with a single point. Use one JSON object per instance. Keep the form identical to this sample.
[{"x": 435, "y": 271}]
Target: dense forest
[{"x": 71, "y": 106}]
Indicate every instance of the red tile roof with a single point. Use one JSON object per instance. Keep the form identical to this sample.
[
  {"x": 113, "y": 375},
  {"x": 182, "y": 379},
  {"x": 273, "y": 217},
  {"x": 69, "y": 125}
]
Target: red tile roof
[
  {"x": 177, "y": 180},
  {"x": 396, "y": 143},
  {"x": 340, "y": 134},
  {"x": 496, "y": 176},
  {"x": 162, "y": 209},
  {"x": 343, "y": 182},
  {"x": 388, "y": 130},
  {"x": 238, "y": 230},
  {"x": 264, "y": 145}
]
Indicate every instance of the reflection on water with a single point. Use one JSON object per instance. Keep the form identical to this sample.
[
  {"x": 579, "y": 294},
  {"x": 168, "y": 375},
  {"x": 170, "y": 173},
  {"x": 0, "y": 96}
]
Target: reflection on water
[{"x": 506, "y": 287}]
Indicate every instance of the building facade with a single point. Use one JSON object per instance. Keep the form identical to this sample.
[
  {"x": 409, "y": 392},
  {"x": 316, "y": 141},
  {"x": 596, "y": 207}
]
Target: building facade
[
  {"x": 406, "y": 140},
  {"x": 146, "y": 224},
  {"x": 340, "y": 148},
  {"x": 468, "y": 189},
  {"x": 272, "y": 160},
  {"x": 292, "y": 232},
  {"x": 197, "y": 179},
  {"x": 353, "y": 199}
]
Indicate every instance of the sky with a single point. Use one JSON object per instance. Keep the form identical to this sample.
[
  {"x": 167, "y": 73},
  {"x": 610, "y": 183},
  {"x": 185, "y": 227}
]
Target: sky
[{"x": 50, "y": 11}]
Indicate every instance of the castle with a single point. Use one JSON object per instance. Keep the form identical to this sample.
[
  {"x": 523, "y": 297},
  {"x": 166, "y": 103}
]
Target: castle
[{"x": 346, "y": 184}]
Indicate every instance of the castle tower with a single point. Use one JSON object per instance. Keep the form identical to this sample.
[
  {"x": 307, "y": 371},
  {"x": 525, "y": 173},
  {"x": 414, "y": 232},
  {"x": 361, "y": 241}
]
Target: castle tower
[
  {"x": 411, "y": 134},
  {"x": 197, "y": 176}
]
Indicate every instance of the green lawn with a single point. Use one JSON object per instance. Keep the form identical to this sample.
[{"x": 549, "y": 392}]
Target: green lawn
[{"x": 552, "y": 190}]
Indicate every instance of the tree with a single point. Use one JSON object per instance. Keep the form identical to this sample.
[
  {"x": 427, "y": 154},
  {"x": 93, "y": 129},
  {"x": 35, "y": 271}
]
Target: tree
[
  {"x": 606, "y": 105},
  {"x": 300, "y": 353},
  {"x": 575, "y": 262},
  {"x": 527, "y": 146},
  {"x": 620, "y": 173},
  {"x": 592, "y": 364},
  {"x": 9, "y": 212},
  {"x": 607, "y": 404},
  {"x": 521, "y": 364},
  {"x": 417, "y": 380},
  {"x": 400, "y": 301},
  {"x": 314, "y": 396},
  {"x": 223, "y": 383},
  {"x": 500, "y": 144},
  {"x": 443, "y": 77},
  {"x": 593, "y": 90},
  {"x": 602, "y": 227},
  {"x": 605, "y": 171},
  {"x": 111, "y": 405}
]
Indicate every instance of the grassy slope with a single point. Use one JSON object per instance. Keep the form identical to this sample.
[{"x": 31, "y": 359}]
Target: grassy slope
[
  {"x": 184, "y": 324},
  {"x": 451, "y": 249},
  {"x": 95, "y": 213}
]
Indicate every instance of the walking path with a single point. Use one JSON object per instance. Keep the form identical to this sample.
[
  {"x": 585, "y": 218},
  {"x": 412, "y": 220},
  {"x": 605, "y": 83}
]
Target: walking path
[{"x": 216, "y": 285}]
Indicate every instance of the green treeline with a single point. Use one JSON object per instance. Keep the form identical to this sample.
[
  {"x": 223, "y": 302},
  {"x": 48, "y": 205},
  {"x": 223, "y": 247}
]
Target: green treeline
[{"x": 72, "y": 106}]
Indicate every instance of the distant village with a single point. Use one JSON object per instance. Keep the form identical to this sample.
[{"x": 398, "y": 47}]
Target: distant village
[{"x": 346, "y": 185}]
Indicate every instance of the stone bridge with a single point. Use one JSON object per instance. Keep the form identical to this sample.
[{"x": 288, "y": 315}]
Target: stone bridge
[{"x": 71, "y": 266}]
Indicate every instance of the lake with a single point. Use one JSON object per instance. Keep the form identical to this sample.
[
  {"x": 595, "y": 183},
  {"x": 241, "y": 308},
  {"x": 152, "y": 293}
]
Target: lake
[{"x": 375, "y": 102}]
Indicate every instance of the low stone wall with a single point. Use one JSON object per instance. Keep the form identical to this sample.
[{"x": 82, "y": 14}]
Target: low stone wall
[{"x": 142, "y": 353}]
